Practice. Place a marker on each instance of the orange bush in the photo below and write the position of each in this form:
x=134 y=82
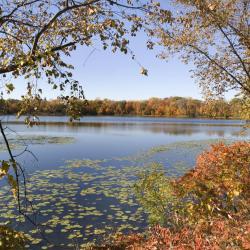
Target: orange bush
x=219 y=185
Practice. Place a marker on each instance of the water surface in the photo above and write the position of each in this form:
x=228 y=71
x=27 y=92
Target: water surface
x=82 y=185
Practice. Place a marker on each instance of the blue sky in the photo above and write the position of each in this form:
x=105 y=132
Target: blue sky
x=116 y=76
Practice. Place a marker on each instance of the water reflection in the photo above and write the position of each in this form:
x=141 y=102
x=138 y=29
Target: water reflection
x=171 y=129
x=91 y=120
x=106 y=140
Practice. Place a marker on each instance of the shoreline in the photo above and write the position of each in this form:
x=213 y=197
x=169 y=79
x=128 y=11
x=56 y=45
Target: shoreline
x=135 y=116
x=107 y=121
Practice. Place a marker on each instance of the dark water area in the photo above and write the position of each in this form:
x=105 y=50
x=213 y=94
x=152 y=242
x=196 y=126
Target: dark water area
x=81 y=181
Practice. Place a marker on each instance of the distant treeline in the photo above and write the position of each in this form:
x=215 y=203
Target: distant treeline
x=169 y=107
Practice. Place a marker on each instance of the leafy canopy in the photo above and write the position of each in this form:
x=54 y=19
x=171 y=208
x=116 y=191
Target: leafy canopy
x=37 y=35
x=212 y=34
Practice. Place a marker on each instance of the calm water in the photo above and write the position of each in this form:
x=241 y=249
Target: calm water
x=97 y=167
x=107 y=137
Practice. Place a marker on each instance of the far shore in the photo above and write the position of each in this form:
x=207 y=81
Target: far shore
x=140 y=116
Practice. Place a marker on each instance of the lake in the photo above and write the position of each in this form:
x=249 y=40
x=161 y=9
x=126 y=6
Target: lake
x=81 y=176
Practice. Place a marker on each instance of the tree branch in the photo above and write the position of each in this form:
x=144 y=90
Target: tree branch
x=220 y=66
x=13 y=161
x=54 y=18
x=234 y=50
x=5 y=18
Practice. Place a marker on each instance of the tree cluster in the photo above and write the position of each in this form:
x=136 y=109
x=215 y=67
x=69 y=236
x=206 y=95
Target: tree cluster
x=169 y=107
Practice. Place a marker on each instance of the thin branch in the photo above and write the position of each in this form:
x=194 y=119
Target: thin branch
x=126 y=6
x=5 y=18
x=19 y=22
x=13 y=163
x=234 y=50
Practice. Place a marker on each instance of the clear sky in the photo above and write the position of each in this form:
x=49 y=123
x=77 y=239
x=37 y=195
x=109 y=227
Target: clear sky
x=117 y=76
x=104 y=74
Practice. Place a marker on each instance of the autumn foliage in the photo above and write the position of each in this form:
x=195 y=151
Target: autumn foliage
x=220 y=183
x=169 y=107
x=213 y=209
x=10 y=239
x=216 y=235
